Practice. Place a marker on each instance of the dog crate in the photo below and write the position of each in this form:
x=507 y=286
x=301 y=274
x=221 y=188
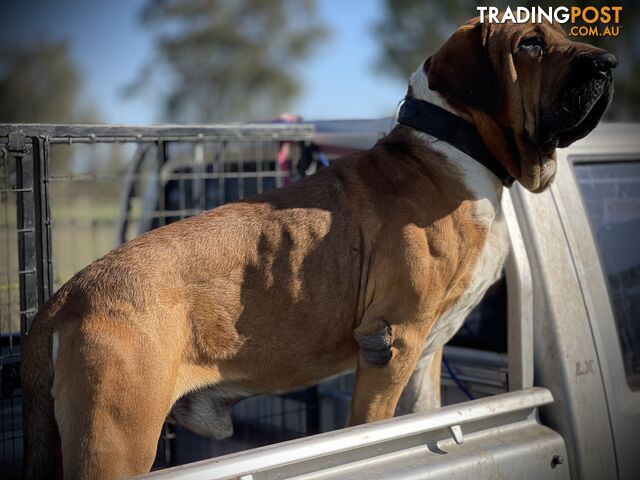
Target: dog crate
x=69 y=194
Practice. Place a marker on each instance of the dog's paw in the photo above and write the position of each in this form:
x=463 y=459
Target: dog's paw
x=375 y=346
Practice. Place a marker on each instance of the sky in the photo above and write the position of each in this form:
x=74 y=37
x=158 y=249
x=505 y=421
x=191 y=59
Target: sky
x=109 y=45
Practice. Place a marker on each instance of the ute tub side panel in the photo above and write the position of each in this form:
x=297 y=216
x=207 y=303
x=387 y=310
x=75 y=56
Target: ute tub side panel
x=522 y=451
x=493 y=437
x=566 y=360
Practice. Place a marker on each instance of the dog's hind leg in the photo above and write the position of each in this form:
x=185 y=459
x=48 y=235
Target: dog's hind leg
x=112 y=390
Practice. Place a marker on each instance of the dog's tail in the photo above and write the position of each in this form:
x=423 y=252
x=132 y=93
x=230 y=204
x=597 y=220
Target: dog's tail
x=40 y=430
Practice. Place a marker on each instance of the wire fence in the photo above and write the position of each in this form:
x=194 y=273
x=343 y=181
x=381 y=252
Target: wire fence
x=10 y=404
x=70 y=194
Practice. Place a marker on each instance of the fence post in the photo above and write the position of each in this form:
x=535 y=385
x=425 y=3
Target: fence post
x=22 y=152
x=43 y=218
x=34 y=231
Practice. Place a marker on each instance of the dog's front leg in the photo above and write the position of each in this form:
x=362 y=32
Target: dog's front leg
x=387 y=357
x=422 y=392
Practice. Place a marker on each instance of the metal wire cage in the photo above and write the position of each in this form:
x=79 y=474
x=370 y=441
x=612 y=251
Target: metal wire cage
x=15 y=190
x=70 y=194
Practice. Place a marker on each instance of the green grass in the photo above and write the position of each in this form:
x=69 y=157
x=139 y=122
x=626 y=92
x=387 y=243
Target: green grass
x=83 y=229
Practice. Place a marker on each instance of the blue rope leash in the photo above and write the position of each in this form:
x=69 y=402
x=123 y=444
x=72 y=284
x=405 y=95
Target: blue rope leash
x=456 y=380
x=322 y=158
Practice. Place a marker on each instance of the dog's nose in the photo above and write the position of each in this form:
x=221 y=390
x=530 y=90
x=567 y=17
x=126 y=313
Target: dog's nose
x=605 y=62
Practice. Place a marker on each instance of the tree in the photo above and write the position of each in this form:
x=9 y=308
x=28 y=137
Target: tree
x=40 y=83
x=411 y=30
x=228 y=59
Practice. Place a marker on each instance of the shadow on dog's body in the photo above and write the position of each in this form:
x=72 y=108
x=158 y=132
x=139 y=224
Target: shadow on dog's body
x=367 y=264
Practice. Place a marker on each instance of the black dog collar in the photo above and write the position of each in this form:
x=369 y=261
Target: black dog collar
x=446 y=126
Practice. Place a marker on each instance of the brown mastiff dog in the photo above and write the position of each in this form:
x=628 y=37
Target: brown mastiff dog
x=365 y=265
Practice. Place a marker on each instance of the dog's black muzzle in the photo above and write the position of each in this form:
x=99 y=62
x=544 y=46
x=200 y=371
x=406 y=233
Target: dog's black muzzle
x=581 y=103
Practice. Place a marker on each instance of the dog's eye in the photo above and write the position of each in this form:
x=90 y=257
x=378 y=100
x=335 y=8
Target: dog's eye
x=533 y=43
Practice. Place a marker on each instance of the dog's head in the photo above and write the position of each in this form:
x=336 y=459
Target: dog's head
x=526 y=87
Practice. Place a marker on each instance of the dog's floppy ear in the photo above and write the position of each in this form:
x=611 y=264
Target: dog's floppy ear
x=462 y=71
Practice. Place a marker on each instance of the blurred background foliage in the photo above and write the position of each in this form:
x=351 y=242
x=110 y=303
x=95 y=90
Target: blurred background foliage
x=241 y=60
x=228 y=60
x=41 y=83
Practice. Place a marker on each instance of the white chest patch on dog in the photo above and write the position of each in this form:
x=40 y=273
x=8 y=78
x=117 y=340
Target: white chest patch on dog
x=487 y=189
